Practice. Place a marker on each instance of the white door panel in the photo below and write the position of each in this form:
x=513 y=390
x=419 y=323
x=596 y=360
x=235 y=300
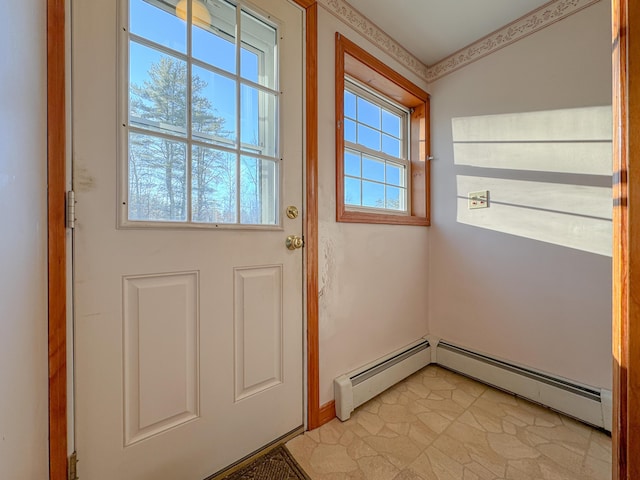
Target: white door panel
x=188 y=340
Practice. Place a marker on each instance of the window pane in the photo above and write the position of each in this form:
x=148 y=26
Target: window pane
x=258 y=127
x=157 y=90
x=372 y=194
x=157 y=179
x=372 y=169
x=158 y=22
x=249 y=63
x=222 y=186
x=214 y=42
x=395 y=198
x=213 y=108
x=350 y=131
x=395 y=174
x=368 y=113
x=213 y=185
x=258 y=191
x=349 y=105
x=260 y=38
x=391 y=146
x=352 y=191
x=390 y=124
x=352 y=164
x=368 y=137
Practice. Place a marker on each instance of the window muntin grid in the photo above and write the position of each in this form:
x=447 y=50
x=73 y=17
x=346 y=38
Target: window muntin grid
x=375 y=152
x=212 y=156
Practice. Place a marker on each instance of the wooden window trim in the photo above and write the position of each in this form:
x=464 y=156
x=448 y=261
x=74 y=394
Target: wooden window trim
x=359 y=64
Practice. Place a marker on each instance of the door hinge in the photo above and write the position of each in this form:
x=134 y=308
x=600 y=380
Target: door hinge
x=73 y=467
x=71 y=210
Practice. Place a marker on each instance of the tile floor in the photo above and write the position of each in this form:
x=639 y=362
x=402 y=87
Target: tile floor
x=443 y=426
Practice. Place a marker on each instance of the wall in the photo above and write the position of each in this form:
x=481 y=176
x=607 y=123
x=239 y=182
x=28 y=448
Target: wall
x=23 y=315
x=373 y=278
x=505 y=282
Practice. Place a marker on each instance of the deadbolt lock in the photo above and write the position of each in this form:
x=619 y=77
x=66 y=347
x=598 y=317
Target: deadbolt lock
x=292 y=212
x=294 y=242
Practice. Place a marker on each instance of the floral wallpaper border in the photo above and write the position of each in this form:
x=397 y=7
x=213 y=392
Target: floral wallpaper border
x=369 y=30
x=534 y=21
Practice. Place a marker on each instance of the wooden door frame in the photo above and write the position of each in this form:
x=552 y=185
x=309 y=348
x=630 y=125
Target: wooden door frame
x=626 y=263
x=626 y=243
x=56 y=236
x=56 y=241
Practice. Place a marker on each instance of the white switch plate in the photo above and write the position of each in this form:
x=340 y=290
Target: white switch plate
x=479 y=199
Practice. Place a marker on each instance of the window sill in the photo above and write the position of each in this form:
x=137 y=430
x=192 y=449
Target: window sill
x=351 y=216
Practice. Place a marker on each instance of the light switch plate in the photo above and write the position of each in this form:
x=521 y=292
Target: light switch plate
x=478 y=199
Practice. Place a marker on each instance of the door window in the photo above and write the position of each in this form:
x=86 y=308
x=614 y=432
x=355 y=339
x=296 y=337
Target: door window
x=200 y=124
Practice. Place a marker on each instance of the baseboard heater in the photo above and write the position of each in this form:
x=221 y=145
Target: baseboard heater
x=361 y=385
x=586 y=403
x=583 y=402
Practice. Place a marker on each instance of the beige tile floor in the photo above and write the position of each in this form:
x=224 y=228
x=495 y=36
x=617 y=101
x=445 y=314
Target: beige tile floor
x=440 y=425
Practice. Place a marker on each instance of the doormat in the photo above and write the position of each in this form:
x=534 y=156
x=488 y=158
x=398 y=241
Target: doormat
x=278 y=464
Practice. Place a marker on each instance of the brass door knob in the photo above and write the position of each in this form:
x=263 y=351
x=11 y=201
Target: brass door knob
x=293 y=242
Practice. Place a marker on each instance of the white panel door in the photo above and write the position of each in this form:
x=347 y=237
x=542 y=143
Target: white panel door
x=188 y=149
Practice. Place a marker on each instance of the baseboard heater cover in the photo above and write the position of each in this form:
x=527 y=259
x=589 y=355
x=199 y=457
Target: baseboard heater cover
x=588 y=404
x=359 y=386
x=591 y=405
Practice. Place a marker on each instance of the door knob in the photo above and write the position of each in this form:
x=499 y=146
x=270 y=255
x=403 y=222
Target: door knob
x=293 y=242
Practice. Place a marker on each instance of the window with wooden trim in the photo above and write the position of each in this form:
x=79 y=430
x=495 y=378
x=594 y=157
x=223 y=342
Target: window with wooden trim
x=382 y=142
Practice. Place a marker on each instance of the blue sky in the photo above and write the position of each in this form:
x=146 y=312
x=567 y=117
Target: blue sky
x=169 y=31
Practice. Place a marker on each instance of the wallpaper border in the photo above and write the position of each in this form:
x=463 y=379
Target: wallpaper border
x=530 y=23
x=356 y=20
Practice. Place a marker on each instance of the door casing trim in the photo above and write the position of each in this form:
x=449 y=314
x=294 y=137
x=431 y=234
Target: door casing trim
x=56 y=238
x=626 y=220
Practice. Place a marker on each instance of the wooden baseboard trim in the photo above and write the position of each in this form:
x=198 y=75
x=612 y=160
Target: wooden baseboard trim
x=327 y=412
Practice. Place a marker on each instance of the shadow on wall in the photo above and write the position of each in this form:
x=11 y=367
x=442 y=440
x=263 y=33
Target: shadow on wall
x=548 y=175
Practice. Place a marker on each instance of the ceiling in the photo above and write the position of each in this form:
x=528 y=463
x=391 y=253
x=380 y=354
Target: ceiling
x=434 y=29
